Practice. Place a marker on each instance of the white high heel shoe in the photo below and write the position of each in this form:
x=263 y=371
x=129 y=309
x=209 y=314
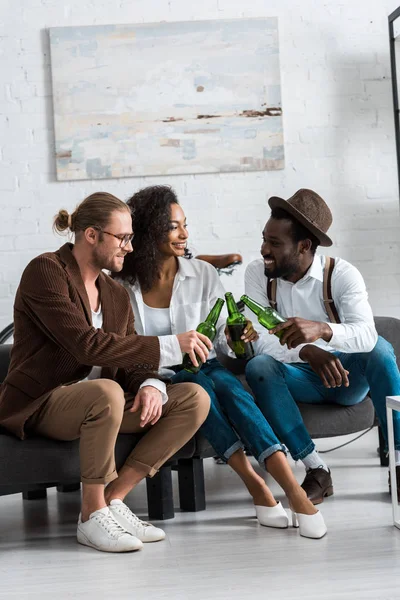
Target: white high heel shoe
x=272 y=516
x=310 y=526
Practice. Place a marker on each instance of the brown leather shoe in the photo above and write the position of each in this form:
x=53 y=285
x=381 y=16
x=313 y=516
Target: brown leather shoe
x=317 y=485
x=398 y=483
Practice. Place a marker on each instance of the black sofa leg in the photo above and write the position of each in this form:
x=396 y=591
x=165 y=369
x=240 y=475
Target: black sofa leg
x=160 y=500
x=69 y=487
x=192 y=495
x=35 y=494
x=384 y=458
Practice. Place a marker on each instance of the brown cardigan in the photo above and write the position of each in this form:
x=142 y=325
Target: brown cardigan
x=55 y=343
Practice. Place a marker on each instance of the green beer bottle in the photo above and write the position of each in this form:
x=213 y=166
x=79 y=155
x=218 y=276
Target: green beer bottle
x=236 y=325
x=206 y=328
x=267 y=316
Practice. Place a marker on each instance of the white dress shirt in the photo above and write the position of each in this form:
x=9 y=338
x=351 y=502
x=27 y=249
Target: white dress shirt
x=355 y=333
x=195 y=290
x=95 y=373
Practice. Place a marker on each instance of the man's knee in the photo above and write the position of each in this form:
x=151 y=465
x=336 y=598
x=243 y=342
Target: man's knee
x=262 y=367
x=199 y=400
x=108 y=396
x=193 y=397
x=382 y=352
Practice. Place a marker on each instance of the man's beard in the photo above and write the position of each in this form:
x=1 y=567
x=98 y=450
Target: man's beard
x=106 y=262
x=287 y=268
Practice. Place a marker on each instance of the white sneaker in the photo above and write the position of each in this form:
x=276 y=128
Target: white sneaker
x=145 y=532
x=102 y=532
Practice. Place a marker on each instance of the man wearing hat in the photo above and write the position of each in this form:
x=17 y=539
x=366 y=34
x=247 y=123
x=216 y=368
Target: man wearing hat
x=328 y=350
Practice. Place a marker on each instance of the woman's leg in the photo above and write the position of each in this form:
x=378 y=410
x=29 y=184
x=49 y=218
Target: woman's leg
x=216 y=428
x=225 y=441
x=244 y=414
x=258 y=489
x=280 y=470
x=255 y=430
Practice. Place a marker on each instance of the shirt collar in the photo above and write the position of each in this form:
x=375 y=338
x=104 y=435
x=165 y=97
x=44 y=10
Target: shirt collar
x=315 y=271
x=186 y=268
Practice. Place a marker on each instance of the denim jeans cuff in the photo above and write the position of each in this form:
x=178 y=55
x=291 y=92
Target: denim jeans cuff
x=300 y=455
x=268 y=452
x=232 y=450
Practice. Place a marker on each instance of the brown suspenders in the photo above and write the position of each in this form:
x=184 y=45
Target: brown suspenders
x=327 y=291
x=271 y=293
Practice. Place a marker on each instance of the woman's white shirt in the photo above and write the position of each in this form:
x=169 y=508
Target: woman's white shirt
x=195 y=290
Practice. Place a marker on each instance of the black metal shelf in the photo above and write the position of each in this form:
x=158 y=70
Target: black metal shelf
x=392 y=41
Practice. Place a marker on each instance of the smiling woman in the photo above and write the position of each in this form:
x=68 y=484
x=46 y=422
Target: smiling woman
x=151 y=221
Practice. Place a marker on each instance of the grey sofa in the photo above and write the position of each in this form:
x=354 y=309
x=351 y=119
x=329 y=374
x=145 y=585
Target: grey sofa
x=33 y=465
x=37 y=463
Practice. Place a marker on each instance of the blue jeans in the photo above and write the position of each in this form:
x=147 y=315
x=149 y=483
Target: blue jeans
x=234 y=420
x=278 y=386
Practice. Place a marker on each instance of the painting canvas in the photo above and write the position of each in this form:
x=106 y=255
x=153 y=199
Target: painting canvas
x=167 y=98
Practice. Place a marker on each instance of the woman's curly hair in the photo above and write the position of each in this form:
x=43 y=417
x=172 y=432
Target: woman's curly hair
x=151 y=215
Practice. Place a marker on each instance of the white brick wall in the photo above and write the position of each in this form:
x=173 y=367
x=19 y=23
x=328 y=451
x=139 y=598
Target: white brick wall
x=339 y=135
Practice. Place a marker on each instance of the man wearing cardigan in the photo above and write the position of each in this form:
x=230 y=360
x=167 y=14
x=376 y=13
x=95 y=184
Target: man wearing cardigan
x=79 y=370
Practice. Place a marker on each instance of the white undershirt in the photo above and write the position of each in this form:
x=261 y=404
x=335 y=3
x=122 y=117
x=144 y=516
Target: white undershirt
x=97 y=320
x=158 y=320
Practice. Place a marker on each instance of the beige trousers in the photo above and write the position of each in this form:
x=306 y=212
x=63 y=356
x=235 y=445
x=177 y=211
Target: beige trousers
x=96 y=411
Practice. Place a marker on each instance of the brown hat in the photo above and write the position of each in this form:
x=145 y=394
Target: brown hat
x=310 y=210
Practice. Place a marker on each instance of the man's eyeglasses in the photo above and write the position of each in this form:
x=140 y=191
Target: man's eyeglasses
x=123 y=239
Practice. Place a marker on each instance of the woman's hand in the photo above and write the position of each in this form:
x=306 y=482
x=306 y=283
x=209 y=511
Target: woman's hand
x=193 y=342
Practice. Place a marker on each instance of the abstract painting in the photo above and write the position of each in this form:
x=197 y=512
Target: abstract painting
x=167 y=98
